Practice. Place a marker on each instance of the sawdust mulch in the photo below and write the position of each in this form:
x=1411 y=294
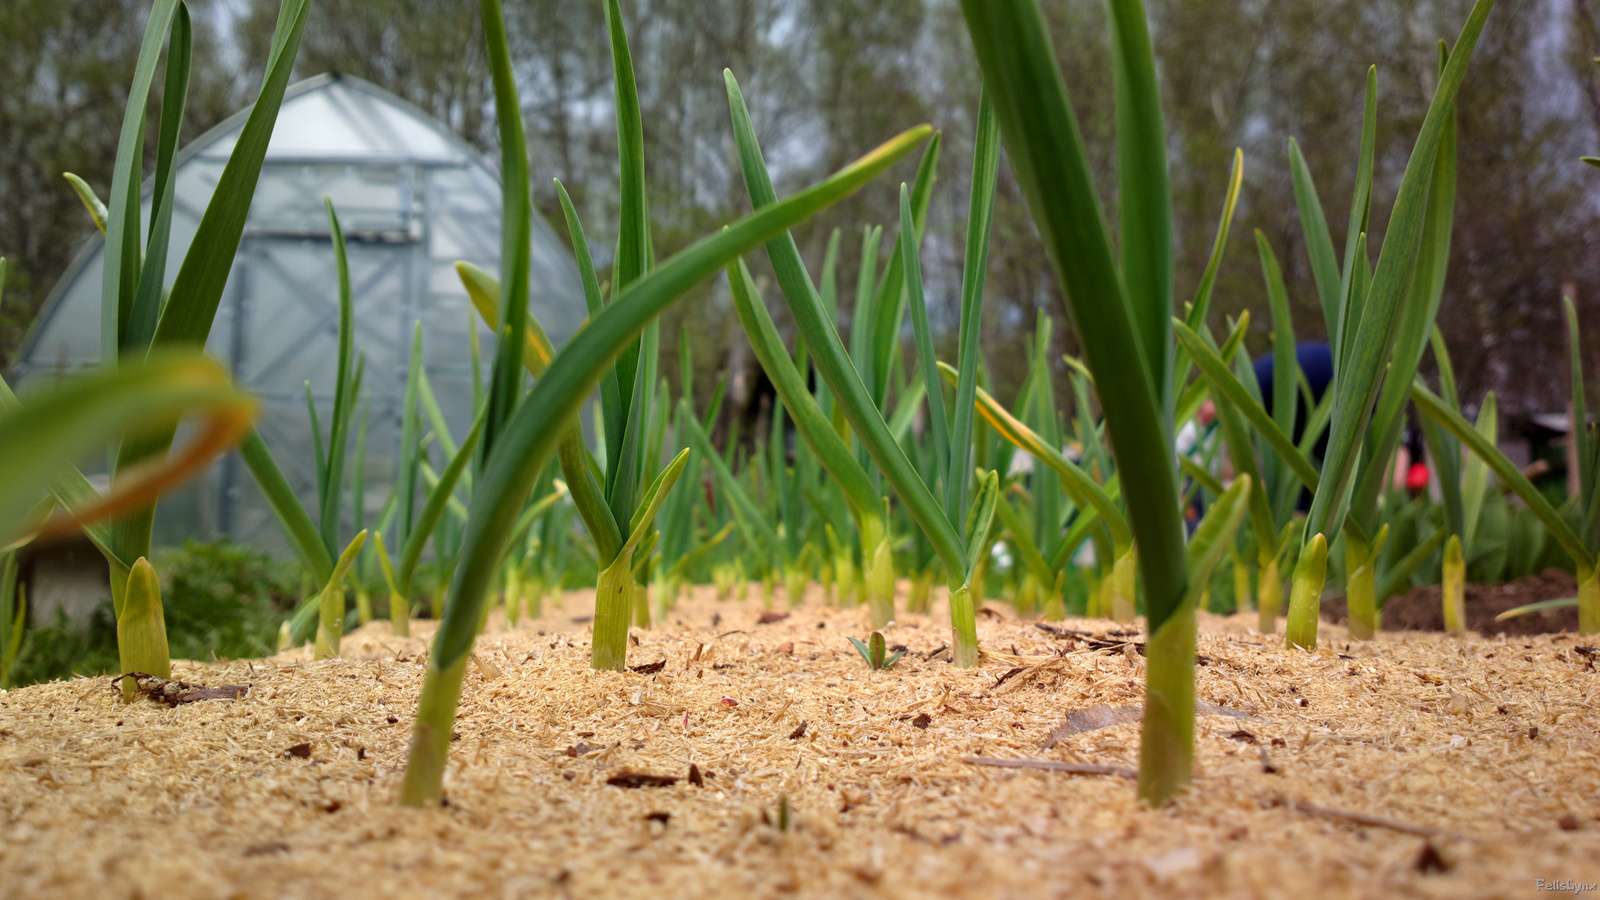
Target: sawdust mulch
x=1414 y=765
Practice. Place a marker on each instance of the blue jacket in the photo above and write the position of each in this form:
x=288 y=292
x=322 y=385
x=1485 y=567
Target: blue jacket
x=1316 y=361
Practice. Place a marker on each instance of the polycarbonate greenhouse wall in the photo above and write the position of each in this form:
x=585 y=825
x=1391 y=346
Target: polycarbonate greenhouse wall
x=412 y=200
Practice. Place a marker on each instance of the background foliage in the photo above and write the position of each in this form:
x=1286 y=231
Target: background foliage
x=832 y=76
x=221 y=600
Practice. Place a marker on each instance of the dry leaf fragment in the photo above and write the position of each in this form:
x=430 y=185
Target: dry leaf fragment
x=176 y=693
x=641 y=780
x=1430 y=861
x=1010 y=674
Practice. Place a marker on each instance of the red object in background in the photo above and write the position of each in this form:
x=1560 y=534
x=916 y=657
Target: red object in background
x=1417 y=478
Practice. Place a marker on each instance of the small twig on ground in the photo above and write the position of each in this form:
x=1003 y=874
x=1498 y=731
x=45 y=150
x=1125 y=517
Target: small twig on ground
x=1094 y=642
x=1324 y=812
x=1053 y=765
x=1310 y=809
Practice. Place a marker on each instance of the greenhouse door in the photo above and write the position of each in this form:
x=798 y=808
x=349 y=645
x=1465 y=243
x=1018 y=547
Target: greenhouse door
x=286 y=340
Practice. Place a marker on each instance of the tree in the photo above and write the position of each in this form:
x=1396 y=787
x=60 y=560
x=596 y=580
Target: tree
x=829 y=78
x=65 y=66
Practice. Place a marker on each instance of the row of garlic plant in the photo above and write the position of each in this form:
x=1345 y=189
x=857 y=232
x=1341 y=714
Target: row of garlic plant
x=525 y=428
x=1128 y=501
x=1379 y=320
x=315 y=534
x=1030 y=108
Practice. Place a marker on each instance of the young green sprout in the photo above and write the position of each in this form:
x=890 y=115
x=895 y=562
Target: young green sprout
x=620 y=518
x=1310 y=574
x=1121 y=309
x=1464 y=488
x=330 y=602
x=141 y=628
x=1383 y=320
x=616 y=592
x=1379 y=321
x=874 y=650
x=399 y=603
x=1452 y=588
x=40 y=436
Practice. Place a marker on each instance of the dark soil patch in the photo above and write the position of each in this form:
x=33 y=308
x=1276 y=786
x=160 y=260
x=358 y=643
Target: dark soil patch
x=1419 y=609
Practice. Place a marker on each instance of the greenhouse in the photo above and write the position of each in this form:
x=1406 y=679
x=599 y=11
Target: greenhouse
x=413 y=199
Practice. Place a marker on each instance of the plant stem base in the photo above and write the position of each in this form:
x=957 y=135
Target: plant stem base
x=613 y=610
x=1589 y=602
x=1310 y=576
x=963 y=620
x=1166 y=747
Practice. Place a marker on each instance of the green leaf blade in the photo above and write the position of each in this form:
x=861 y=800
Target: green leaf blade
x=123 y=259
x=1145 y=194
x=1375 y=336
x=974 y=271
x=1047 y=155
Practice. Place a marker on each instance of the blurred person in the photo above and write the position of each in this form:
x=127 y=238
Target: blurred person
x=1315 y=359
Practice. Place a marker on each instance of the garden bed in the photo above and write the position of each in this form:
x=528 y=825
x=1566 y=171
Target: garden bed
x=1420 y=608
x=1414 y=765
